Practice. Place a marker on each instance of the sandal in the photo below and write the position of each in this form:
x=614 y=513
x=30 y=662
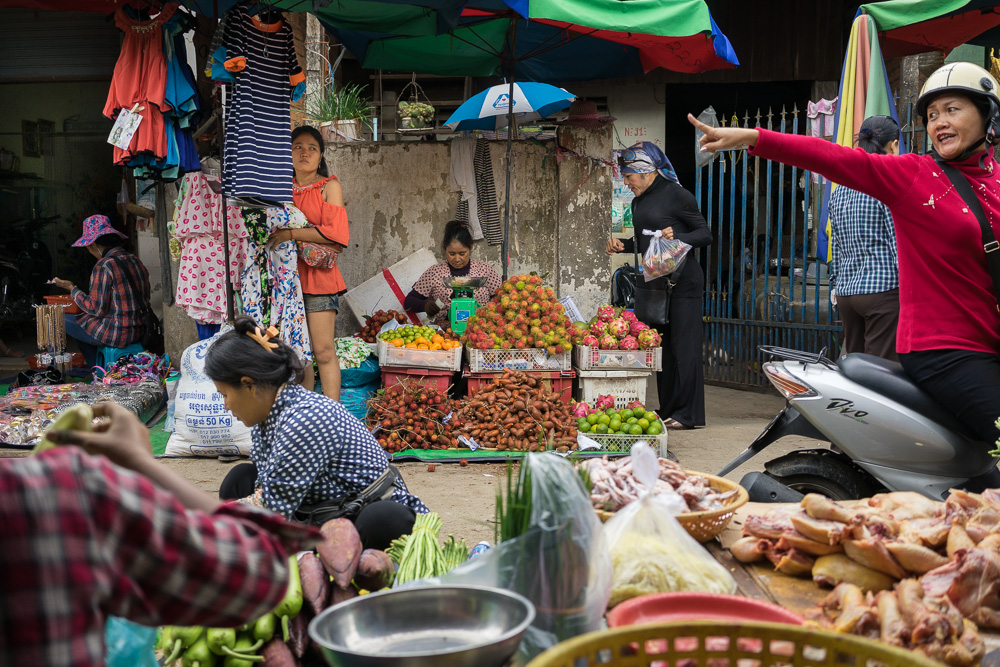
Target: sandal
x=675 y=425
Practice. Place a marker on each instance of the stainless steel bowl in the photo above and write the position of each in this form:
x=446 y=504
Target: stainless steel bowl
x=425 y=626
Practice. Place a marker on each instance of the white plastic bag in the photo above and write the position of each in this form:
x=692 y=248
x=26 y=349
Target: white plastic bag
x=663 y=256
x=202 y=425
x=560 y=563
x=650 y=551
x=701 y=158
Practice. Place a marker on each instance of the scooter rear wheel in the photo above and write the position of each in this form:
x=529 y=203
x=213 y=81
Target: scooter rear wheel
x=822 y=471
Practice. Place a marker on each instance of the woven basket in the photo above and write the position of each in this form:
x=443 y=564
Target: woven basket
x=707 y=525
x=708 y=642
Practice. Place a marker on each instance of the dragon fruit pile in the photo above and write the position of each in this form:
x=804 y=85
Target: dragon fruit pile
x=615 y=329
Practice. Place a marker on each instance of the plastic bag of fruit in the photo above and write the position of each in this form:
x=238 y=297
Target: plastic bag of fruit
x=663 y=256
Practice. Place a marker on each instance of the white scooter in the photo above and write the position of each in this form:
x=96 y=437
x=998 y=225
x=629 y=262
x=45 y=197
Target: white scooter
x=886 y=434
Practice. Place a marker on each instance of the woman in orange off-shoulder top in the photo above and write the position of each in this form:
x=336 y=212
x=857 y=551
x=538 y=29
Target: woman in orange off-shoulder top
x=318 y=194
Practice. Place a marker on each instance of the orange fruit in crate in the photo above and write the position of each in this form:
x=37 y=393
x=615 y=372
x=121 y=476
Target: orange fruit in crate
x=423 y=346
x=420 y=340
x=435 y=345
x=437 y=338
x=397 y=342
x=410 y=346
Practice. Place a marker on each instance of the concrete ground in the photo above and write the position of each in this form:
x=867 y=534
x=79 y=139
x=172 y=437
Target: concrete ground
x=465 y=497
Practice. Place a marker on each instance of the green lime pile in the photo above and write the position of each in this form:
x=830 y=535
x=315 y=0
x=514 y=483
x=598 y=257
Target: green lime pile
x=409 y=333
x=629 y=421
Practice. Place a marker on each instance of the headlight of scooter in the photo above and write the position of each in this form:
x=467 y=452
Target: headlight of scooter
x=789 y=385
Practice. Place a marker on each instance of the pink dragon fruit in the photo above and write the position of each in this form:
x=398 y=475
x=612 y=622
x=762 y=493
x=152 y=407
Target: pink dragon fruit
x=648 y=339
x=638 y=327
x=605 y=313
x=604 y=402
x=618 y=327
x=628 y=343
x=590 y=340
x=629 y=316
x=599 y=328
x=635 y=404
x=608 y=342
x=580 y=410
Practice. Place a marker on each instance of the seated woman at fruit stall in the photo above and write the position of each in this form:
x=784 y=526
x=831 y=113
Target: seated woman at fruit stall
x=307 y=450
x=430 y=295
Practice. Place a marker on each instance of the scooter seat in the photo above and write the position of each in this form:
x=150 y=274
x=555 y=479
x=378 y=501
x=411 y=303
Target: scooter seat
x=889 y=379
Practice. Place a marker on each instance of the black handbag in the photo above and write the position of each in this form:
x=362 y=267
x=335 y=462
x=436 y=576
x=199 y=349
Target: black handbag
x=990 y=245
x=651 y=306
x=349 y=506
x=152 y=328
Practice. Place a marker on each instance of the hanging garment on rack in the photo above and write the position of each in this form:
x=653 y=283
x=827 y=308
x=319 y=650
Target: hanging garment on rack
x=270 y=289
x=462 y=179
x=197 y=229
x=486 y=195
x=258 y=143
x=181 y=96
x=140 y=79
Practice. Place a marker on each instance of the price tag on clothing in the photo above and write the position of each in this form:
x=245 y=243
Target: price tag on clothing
x=125 y=126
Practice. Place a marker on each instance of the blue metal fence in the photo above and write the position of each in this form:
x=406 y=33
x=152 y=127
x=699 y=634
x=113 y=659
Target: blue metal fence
x=764 y=285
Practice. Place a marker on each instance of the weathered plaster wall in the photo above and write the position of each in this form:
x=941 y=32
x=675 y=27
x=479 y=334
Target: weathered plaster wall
x=398 y=201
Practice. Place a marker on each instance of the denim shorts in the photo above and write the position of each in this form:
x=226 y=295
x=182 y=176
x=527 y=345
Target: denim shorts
x=317 y=303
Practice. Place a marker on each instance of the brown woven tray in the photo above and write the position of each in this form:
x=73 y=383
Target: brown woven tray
x=707 y=525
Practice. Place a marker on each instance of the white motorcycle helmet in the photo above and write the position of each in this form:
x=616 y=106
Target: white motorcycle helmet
x=970 y=80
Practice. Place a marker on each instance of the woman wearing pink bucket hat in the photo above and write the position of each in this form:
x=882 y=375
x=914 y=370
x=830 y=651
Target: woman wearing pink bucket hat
x=112 y=309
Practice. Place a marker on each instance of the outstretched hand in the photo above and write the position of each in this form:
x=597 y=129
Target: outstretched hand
x=723 y=138
x=121 y=437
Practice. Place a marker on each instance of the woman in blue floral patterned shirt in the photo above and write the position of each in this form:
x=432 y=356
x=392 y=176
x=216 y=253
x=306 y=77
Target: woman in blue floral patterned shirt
x=307 y=448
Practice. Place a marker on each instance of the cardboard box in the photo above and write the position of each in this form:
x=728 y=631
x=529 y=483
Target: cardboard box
x=387 y=289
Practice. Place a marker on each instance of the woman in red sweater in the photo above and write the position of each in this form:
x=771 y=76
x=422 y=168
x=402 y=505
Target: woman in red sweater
x=948 y=338
x=319 y=195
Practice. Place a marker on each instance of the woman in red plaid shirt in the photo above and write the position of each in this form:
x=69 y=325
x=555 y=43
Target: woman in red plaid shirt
x=112 y=316
x=113 y=532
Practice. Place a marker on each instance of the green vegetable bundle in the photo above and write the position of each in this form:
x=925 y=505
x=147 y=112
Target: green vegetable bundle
x=423 y=556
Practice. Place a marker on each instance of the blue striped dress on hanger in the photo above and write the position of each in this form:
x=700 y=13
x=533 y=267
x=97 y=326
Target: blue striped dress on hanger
x=258 y=144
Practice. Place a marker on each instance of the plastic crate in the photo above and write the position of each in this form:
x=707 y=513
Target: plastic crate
x=620 y=443
x=389 y=355
x=425 y=377
x=558 y=382
x=531 y=359
x=625 y=386
x=588 y=358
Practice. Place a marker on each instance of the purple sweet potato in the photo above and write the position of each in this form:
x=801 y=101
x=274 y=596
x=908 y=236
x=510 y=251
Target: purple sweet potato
x=340 y=550
x=375 y=571
x=315 y=581
x=277 y=654
x=340 y=594
x=298 y=635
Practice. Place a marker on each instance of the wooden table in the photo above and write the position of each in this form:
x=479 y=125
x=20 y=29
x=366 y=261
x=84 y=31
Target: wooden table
x=797 y=594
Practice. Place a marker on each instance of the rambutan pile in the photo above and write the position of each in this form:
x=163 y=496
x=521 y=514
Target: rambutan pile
x=523 y=314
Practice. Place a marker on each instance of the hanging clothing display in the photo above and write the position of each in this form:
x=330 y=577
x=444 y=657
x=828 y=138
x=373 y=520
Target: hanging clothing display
x=181 y=96
x=140 y=79
x=258 y=144
x=487 y=214
x=270 y=289
x=197 y=230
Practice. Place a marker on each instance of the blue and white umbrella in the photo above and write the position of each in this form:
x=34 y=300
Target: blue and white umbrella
x=489 y=109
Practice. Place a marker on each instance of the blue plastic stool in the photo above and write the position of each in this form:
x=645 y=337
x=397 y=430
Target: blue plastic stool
x=107 y=356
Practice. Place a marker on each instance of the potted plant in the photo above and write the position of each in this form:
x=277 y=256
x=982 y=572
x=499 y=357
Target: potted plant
x=414 y=114
x=341 y=112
